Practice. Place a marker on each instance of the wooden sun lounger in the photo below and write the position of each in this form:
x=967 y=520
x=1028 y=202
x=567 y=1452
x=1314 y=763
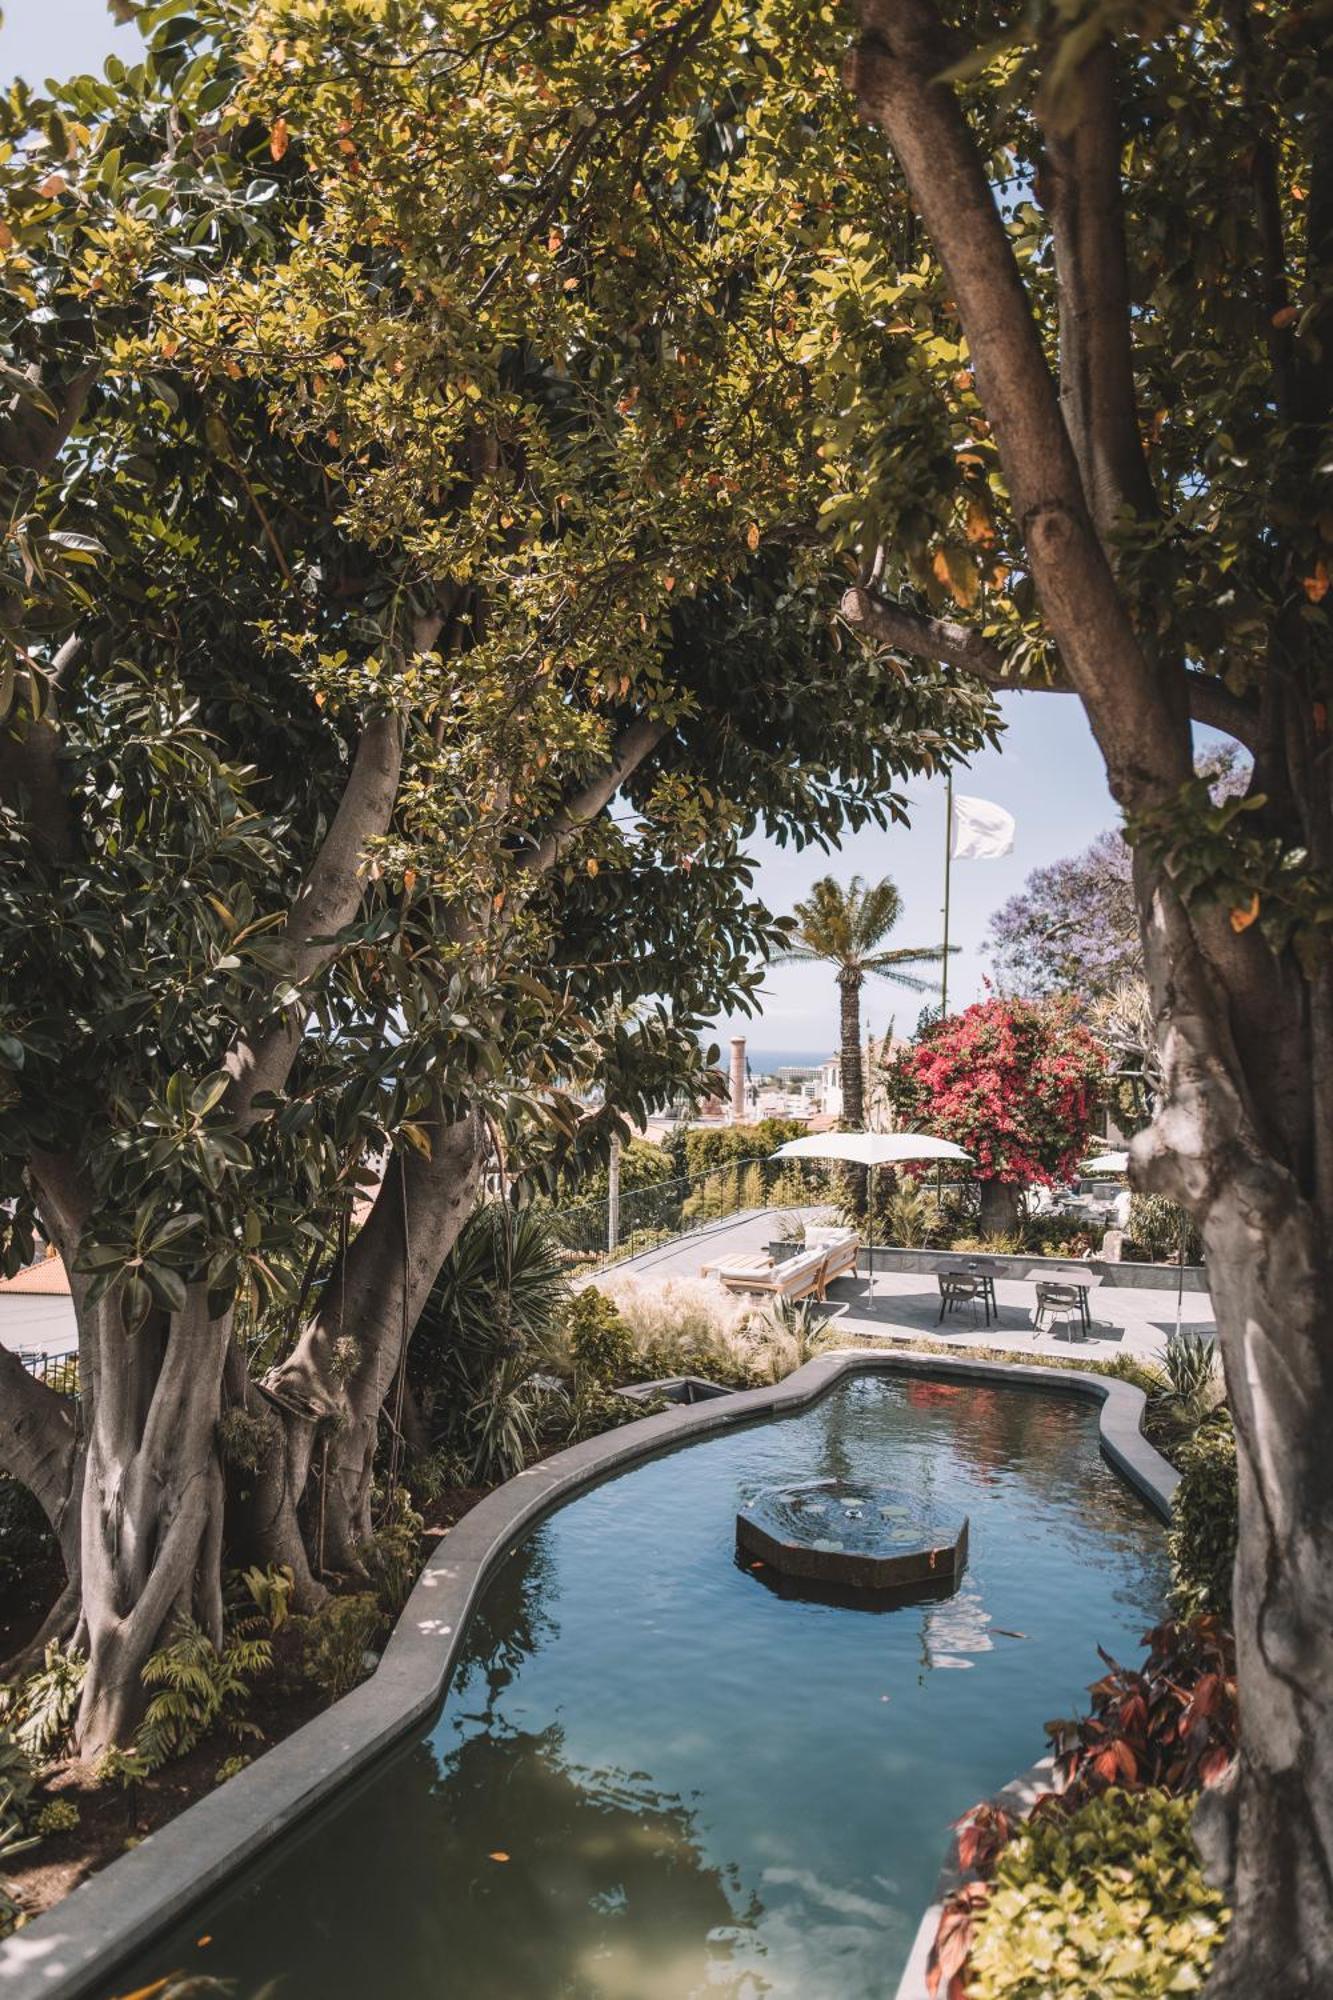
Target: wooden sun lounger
x=840 y=1259
x=812 y=1271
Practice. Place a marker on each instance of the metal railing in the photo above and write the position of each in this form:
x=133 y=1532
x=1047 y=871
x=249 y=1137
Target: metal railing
x=647 y=1217
x=59 y=1371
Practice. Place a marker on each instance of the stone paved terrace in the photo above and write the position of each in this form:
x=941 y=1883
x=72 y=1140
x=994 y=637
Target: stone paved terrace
x=1125 y=1321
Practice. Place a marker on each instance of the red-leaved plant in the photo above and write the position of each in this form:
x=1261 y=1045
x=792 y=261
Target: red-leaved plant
x=1171 y=1723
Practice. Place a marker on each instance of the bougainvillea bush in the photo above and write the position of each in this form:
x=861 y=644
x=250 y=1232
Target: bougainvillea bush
x=1015 y=1082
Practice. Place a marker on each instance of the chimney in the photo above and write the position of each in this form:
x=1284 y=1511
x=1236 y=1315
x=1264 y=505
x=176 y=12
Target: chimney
x=738 y=1079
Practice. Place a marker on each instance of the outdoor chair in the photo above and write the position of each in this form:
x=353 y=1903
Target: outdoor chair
x=842 y=1247
x=795 y=1278
x=957 y=1291
x=1069 y=1302
x=986 y=1280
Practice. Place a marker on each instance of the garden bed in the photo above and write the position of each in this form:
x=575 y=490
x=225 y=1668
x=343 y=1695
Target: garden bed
x=113 y=1818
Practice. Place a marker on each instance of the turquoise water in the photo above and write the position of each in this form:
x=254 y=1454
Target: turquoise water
x=702 y=1788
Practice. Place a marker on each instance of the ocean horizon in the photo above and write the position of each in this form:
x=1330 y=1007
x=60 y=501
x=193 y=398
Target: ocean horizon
x=767 y=1062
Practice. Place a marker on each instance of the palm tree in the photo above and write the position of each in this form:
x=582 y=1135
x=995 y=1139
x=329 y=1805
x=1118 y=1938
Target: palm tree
x=847 y=928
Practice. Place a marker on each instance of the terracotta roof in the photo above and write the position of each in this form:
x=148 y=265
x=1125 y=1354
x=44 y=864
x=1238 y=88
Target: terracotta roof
x=49 y=1279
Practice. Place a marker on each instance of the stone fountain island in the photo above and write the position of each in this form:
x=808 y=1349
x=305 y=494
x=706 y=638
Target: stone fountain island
x=854 y=1535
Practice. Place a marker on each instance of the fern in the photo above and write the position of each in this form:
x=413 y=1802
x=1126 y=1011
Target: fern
x=200 y=1689
x=271 y=1590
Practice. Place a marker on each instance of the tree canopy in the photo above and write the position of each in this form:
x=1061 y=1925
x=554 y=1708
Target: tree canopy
x=423 y=609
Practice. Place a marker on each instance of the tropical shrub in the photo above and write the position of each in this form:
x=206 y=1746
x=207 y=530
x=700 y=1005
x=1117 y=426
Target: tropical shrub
x=598 y=1343
x=1204 y=1522
x=1186 y=1390
x=1105 y=1903
x=12 y=1843
x=910 y=1214
x=1171 y=1723
x=270 y=1591
x=58 y=1816
x=392 y=1556
x=1156 y=1228
x=17 y=1773
x=338 y=1637
x=41 y=1709
x=1015 y=1082
x=487 y=1329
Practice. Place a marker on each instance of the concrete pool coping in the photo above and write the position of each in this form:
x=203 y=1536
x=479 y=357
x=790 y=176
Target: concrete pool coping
x=75 y=1948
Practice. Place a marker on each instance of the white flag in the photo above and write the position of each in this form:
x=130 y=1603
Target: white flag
x=982 y=831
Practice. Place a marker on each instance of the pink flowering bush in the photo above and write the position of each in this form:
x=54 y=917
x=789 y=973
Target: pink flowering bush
x=1016 y=1082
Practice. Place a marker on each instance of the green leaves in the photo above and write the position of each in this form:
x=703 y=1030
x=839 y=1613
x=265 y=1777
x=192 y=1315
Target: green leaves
x=1108 y=1903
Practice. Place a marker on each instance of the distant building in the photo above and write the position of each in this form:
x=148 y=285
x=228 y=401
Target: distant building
x=36 y=1310
x=876 y=1051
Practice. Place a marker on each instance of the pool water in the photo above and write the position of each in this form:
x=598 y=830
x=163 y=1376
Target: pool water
x=653 y=1777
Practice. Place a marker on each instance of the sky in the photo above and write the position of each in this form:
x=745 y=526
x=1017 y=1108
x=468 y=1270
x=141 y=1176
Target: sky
x=1047 y=771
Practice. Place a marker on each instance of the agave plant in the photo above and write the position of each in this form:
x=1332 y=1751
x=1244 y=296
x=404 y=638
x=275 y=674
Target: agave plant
x=1185 y=1387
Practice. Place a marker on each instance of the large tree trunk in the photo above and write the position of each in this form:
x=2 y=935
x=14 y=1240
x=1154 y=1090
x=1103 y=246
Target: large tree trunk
x=1244 y=1133
x=1275 y=1856
x=151 y=1545
x=1268 y=1837
x=334 y=1384
x=1001 y=1209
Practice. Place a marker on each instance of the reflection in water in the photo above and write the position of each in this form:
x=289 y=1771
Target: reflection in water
x=703 y=1788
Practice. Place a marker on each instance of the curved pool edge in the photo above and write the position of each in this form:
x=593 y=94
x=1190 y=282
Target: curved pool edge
x=75 y=1948
x=1017 y=1797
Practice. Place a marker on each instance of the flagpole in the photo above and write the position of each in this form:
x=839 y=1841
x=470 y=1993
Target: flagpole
x=948 y=857
x=944 y=962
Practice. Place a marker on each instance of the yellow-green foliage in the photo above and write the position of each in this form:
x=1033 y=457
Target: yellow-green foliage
x=198 y=1688
x=16 y=1773
x=11 y=1843
x=1107 y=1904
x=338 y=1636
x=392 y=1556
x=59 y=1816
x=601 y=1348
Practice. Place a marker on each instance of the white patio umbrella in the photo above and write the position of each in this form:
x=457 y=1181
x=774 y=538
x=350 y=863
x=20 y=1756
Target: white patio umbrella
x=871 y=1149
x=1106 y=1163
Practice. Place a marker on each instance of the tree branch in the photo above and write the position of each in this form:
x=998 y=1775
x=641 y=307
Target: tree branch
x=925 y=638
x=31 y=436
x=31 y=783
x=637 y=742
x=38 y=1441
x=329 y=900
x=894 y=73
x=1092 y=283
